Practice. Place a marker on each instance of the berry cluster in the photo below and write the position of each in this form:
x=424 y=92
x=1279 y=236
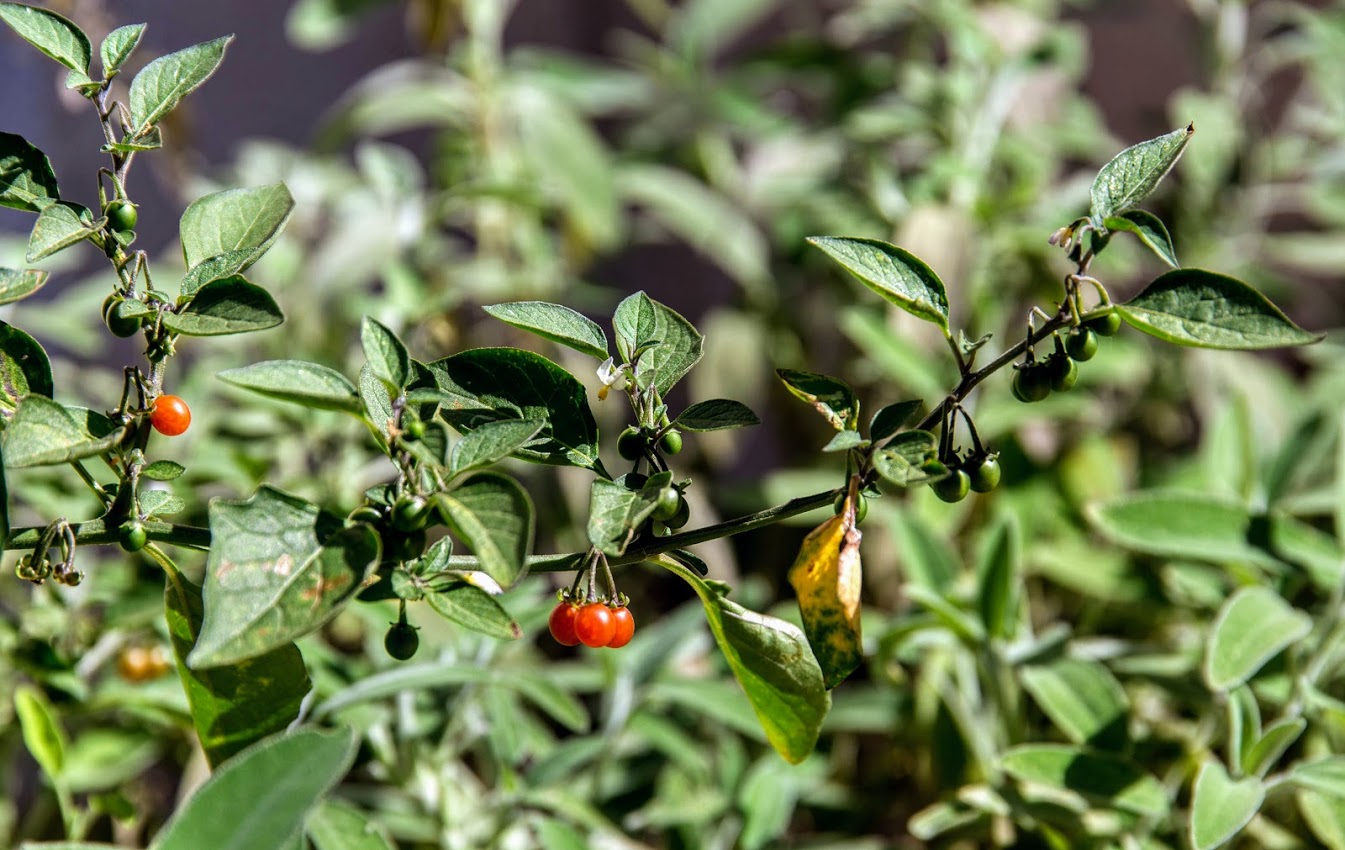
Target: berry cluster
x=1035 y=379
x=977 y=473
x=607 y=623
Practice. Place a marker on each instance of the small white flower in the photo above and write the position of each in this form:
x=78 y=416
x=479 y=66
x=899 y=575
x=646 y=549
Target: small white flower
x=611 y=375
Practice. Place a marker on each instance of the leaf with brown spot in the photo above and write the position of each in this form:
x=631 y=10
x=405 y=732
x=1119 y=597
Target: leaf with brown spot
x=826 y=577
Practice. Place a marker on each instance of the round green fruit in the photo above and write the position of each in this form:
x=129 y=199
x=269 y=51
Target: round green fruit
x=954 y=488
x=1081 y=344
x=630 y=445
x=682 y=516
x=120 y=325
x=132 y=536
x=669 y=501
x=410 y=513
x=670 y=443
x=861 y=506
x=1107 y=325
x=122 y=215
x=984 y=476
x=401 y=641
x=1062 y=371
x=1031 y=382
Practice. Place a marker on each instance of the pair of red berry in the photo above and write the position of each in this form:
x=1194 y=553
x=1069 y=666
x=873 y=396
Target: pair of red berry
x=594 y=624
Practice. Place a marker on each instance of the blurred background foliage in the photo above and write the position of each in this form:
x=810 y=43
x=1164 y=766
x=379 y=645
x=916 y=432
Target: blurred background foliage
x=576 y=152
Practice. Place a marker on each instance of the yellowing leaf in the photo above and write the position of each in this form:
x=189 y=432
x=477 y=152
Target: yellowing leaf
x=826 y=577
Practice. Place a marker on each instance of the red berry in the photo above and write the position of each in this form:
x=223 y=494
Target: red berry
x=594 y=625
x=561 y=623
x=169 y=415
x=625 y=627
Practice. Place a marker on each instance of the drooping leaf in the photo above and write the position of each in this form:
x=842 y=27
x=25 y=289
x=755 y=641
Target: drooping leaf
x=44 y=433
x=17 y=284
x=890 y=419
x=228 y=306
x=1149 y=229
x=471 y=607
x=42 y=734
x=335 y=825
x=223 y=266
x=50 y=33
x=1134 y=172
x=386 y=354
x=1082 y=698
x=492 y=384
x=716 y=414
x=666 y=344
x=1253 y=626
x=556 y=323
x=24 y=369
x=151 y=141
x=616 y=513
x=902 y=461
x=827 y=577
x=493 y=441
x=26 y=179
x=1208 y=310
x=161 y=85
x=119 y=45
x=894 y=273
x=278 y=568
x=1220 y=806
x=234 y=220
x=493 y=515
x=831 y=397
x=297 y=381
x=844 y=441
x=772 y=662
x=234 y=706
x=271 y=786
x=58 y=226
x=1102 y=777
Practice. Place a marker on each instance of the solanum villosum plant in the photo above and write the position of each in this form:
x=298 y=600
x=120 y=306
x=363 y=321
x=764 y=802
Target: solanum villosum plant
x=279 y=567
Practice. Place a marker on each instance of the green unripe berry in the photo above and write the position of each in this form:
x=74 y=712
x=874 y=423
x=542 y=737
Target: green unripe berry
x=364 y=513
x=401 y=641
x=682 y=516
x=1107 y=325
x=1063 y=372
x=953 y=488
x=132 y=536
x=1081 y=344
x=630 y=445
x=122 y=215
x=119 y=324
x=414 y=430
x=1031 y=382
x=984 y=476
x=410 y=513
x=669 y=500
x=861 y=506
x=398 y=547
x=670 y=443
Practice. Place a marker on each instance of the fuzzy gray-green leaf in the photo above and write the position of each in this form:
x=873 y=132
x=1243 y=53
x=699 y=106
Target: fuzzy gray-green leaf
x=1134 y=172
x=1208 y=310
x=894 y=273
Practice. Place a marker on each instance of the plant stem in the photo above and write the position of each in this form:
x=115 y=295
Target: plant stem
x=96 y=531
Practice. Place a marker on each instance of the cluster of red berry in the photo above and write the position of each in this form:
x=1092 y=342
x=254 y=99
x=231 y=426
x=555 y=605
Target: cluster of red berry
x=594 y=624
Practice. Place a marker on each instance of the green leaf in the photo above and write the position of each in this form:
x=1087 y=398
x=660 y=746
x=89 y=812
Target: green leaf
x=118 y=47
x=892 y=418
x=772 y=662
x=228 y=306
x=17 y=284
x=386 y=355
x=1221 y=807
x=1178 y=525
x=26 y=179
x=556 y=323
x=998 y=579
x=278 y=568
x=44 y=433
x=1082 y=698
x=1325 y=816
x=1150 y=230
x=163 y=470
x=223 y=266
x=471 y=607
x=894 y=273
x=42 y=734
x=1261 y=756
x=1102 y=777
x=1253 y=626
x=616 y=513
x=234 y=706
x=268 y=788
x=666 y=345
x=716 y=414
x=844 y=441
x=68 y=845
x=299 y=382
x=1208 y=310
x=493 y=515
x=831 y=397
x=827 y=576
x=58 y=226
x=493 y=384
x=1244 y=723
x=24 y=369
x=162 y=84
x=901 y=462
x=335 y=825
x=235 y=220
x=151 y=141
x=492 y=442
x=50 y=33
x=1134 y=172
x=1325 y=775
